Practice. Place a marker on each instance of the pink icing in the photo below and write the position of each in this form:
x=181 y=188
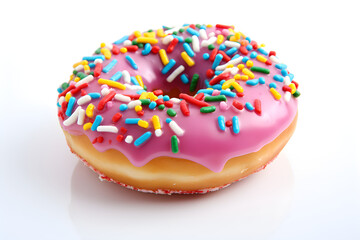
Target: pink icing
x=203 y=142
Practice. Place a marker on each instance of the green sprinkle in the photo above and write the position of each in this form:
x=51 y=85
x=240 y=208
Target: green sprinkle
x=150 y=30
x=232 y=88
x=91 y=73
x=296 y=94
x=145 y=101
x=81 y=75
x=161 y=107
x=194 y=82
x=260 y=69
x=211 y=47
x=175 y=33
x=174 y=144
x=208 y=109
x=75 y=72
x=64 y=86
x=166 y=28
x=188 y=40
x=134 y=42
x=228 y=37
x=181 y=30
x=140 y=45
x=145 y=88
x=217 y=98
x=198 y=25
x=171 y=112
x=98 y=51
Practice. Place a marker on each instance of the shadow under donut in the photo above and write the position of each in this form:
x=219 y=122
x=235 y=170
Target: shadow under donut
x=251 y=208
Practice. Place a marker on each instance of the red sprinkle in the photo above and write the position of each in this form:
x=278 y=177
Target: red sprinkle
x=172 y=45
x=69 y=88
x=238 y=105
x=155 y=49
x=192 y=26
x=97 y=70
x=192 y=100
x=286 y=88
x=158 y=92
x=184 y=108
x=243 y=50
x=268 y=62
x=94 y=141
x=64 y=106
x=159 y=101
x=115 y=50
x=213 y=54
x=199 y=96
x=100 y=139
x=116 y=117
x=218 y=78
x=61 y=114
x=120 y=137
x=272 y=53
x=78 y=88
x=133 y=96
x=132 y=48
x=226 y=58
x=83 y=92
x=106 y=99
x=132 y=37
x=228 y=123
x=257 y=105
x=123 y=130
x=140 y=113
x=210 y=73
x=223 y=26
x=254 y=45
x=240 y=94
x=296 y=84
x=169 y=104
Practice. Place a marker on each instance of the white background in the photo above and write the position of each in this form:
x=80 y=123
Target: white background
x=312 y=191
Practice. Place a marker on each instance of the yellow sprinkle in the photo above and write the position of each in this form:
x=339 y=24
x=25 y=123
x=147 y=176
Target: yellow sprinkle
x=230 y=66
x=249 y=63
x=244 y=77
x=241 y=66
x=248 y=72
x=106 y=53
x=90 y=110
x=156 y=122
x=143 y=123
x=237 y=87
x=140 y=81
x=220 y=39
x=68 y=96
x=137 y=34
x=237 y=35
x=112 y=83
x=237 y=77
x=83 y=62
x=160 y=33
x=293 y=88
x=147 y=40
x=189 y=61
x=71 y=77
x=149 y=34
x=262 y=45
x=209 y=26
x=138 y=108
x=152 y=96
x=102 y=45
x=233 y=39
x=86 y=68
x=123 y=50
x=144 y=95
x=275 y=93
x=227 y=83
x=77 y=79
x=163 y=57
x=87 y=126
x=231 y=30
x=261 y=58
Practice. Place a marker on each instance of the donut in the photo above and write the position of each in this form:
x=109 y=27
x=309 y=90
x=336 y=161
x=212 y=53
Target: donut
x=189 y=109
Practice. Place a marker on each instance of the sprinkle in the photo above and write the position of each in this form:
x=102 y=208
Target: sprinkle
x=83 y=100
x=175 y=73
x=231 y=51
x=278 y=78
x=132 y=62
x=116 y=76
x=237 y=87
x=175 y=127
x=122 y=98
x=90 y=110
x=221 y=123
x=252 y=82
x=129 y=139
x=220 y=39
x=86 y=79
x=147 y=49
x=112 y=83
x=168 y=66
x=110 y=66
x=73 y=117
x=203 y=34
x=142 y=139
x=193 y=32
x=93 y=58
x=249 y=107
x=195 y=43
x=147 y=40
x=257 y=104
x=121 y=40
x=261 y=80
x=174 y=144
x=152 y=105
x=238 y=105
x=111 y=129
x=106 y=99
x=206 y=56
x=275 y=93
x=96 y=123
x=87 y=126
x=70 y=106
x=208 y=109
x=139 y=80
x=167 y=39
x=227 y=93
x=189 y=61
x=261 y=58
x=184 y=108
x=223 y=106
x=272 y=85
x=260 y=69
x=217 y=61
x=218 y=98
x=126 y=75
x=235 y=125
x=172 y=45
x=296 y=94
x=231 y=44
x=194 y=82
x=143 y=123
x=116 y=117
x=248 y=72
x=188 y=50
x=133 y=104
x=218 y=78
x=132 y=120
x=287 y=96
x=157 y=125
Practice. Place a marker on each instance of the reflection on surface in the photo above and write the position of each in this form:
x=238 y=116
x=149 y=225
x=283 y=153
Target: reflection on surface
x=249 y=209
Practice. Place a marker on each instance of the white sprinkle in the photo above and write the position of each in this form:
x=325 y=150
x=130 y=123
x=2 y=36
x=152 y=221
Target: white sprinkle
x=127 y=43
x=133 y=87
x=79 y=67
x=287 y=96
x=203 y=34
x=129 y=139
x=81 y=117
x=212 y=34
x=167 y=39
x=287 y=80
x=233 y=62
x=133 y=104
x=234 y=70
x=84 y=99
x=158 y=132
x=73 y=118
x=105 y=91
x=126 y=76
x=86 y=79
x=275 y=59
x=212 y=40
x=195 y=43
x=122 y=98
x=171 y=30
x=108 y=128
x=175 y=100
x=98 y=60
x=61 y=100
x=175 y=127
x=232 y=44
x=175 y=73
x=109 y=46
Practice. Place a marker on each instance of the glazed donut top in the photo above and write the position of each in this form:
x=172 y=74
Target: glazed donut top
x=199 y=92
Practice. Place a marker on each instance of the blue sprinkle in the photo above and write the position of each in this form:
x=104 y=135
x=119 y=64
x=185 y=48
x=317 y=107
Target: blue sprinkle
x=245 y=59
x=278 y=78
x=252 y=82
x=134 y=81
x=262 y=51
x=92 y=65
x=132 y=62
x=217 y=87
x=168 y=120
x=284 y=72
x=222 y=82
x=58 y=104
x=206 y=56
x=160 y=96
x=249 y=39
x=231 y=51
x=261 y=80
x=281 y=66
x=168 y=66
x=147 y=49
x=142 y=139
x=166 y=98
x=94 y=95
x=184 y=79
x=249 y=107
x=184 y=25
x=222 y=47
x=193 y=32
x=218 y=72
x=181 y=39
x=188 y=50
x=123 y=107
x=93 y=58
x=207 y=84
x=121 y=40
x=221 y=123
x=70 y=106
x=132 y=120
x=272 y=85
x=249 y=47
x=235 y=125
x=291 y=76
x=59 y=90
x=217 y=61
x=96 y=123
x=116 y=76
x=253 y=54
x=235 y=56
x=152 y=105
x=205 y=91
x=203 y=27
x=227 y=93
x=140 y=91
x=109 y=66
